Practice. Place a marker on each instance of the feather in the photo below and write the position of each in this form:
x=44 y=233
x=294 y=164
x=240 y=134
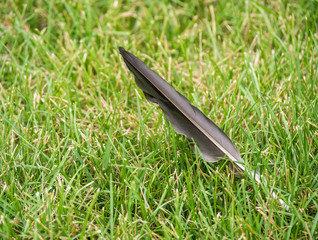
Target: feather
x=186 y=119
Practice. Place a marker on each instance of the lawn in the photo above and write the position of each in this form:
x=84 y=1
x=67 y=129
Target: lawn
x=84 y=155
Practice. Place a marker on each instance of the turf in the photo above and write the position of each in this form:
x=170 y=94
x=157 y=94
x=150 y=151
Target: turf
x=84 y=155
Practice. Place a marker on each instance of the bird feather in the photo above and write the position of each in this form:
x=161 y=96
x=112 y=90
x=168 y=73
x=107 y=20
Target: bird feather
x=186 y=119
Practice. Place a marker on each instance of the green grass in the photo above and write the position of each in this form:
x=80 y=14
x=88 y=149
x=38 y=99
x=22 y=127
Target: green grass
x=83 y=154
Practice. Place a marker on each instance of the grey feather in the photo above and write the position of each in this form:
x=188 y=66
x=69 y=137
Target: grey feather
x=186 y=119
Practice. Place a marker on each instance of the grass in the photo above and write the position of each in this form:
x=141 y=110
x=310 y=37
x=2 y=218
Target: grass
x=84 y=155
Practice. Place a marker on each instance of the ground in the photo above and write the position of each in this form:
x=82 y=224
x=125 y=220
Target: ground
x=84 y=155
